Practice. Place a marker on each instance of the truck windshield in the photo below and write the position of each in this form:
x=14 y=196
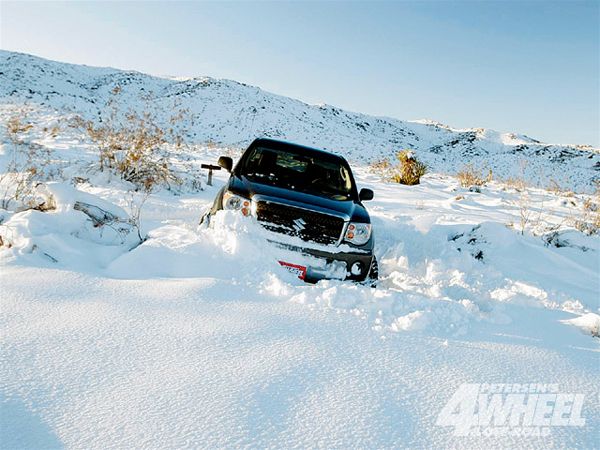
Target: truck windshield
x=314 y=174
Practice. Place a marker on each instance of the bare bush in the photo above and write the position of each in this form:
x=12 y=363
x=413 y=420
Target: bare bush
x=529 y=218
x=587 y=219
x=525 y=211
x=135 y=205
x=130 y=144
x=409 y=169
x=381 y=166
x=16 y=127
x=469 y=176
x=536 y=216
x=516 y=183
x=25 y=167
x=555 y=187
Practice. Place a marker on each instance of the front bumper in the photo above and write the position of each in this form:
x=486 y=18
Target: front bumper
x=325 y=264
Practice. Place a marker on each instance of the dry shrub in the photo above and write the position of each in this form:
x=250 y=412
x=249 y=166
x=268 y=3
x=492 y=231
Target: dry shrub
x=25 y=168
x=54 y=131
x=137 y=160
x=532 y=217
x=516 y=183
x=380 y=165
x=382 y=168
x=469 y=176
x=210 y=144
x=130 y=144
x=15 y=127
x=554 y=187
x=525 y=211
x=409 y=169
x=587 y=219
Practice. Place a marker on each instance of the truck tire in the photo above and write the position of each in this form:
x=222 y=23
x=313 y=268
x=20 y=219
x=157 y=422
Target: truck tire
x=373 y=275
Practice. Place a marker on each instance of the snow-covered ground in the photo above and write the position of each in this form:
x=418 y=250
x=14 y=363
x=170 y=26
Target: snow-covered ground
x=198 y=338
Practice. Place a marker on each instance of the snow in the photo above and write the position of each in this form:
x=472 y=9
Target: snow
x=589 y=323
x=66 y=196
x=197 y=337
x=100 y=362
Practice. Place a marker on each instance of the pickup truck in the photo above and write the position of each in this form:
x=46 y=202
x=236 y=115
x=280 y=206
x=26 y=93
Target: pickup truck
x=309 y=194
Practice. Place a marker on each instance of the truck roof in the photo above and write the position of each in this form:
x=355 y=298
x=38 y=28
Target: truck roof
x=278 y=144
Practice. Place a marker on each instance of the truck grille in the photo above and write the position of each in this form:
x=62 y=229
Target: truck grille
x=308 y=225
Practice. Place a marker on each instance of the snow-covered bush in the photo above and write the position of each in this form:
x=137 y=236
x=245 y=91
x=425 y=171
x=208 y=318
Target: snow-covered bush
x=409 y=169
x=82 y=229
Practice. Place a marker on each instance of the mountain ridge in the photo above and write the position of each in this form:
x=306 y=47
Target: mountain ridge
x=232 y=113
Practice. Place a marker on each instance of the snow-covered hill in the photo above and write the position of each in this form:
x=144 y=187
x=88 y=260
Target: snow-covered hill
x=231 y=113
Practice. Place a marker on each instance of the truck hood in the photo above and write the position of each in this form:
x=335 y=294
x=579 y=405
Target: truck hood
x=348 y=208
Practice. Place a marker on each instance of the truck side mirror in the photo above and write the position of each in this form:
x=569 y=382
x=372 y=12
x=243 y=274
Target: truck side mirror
x=365 y=194
x=225 y=162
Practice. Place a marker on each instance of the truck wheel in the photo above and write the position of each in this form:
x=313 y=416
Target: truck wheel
x=373 y=275
x=216 y=206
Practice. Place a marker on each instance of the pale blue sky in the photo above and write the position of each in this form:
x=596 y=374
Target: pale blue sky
x=529 y=67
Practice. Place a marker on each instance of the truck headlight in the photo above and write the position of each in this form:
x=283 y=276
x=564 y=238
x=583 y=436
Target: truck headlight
x=234 y=202
x=358 y=233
